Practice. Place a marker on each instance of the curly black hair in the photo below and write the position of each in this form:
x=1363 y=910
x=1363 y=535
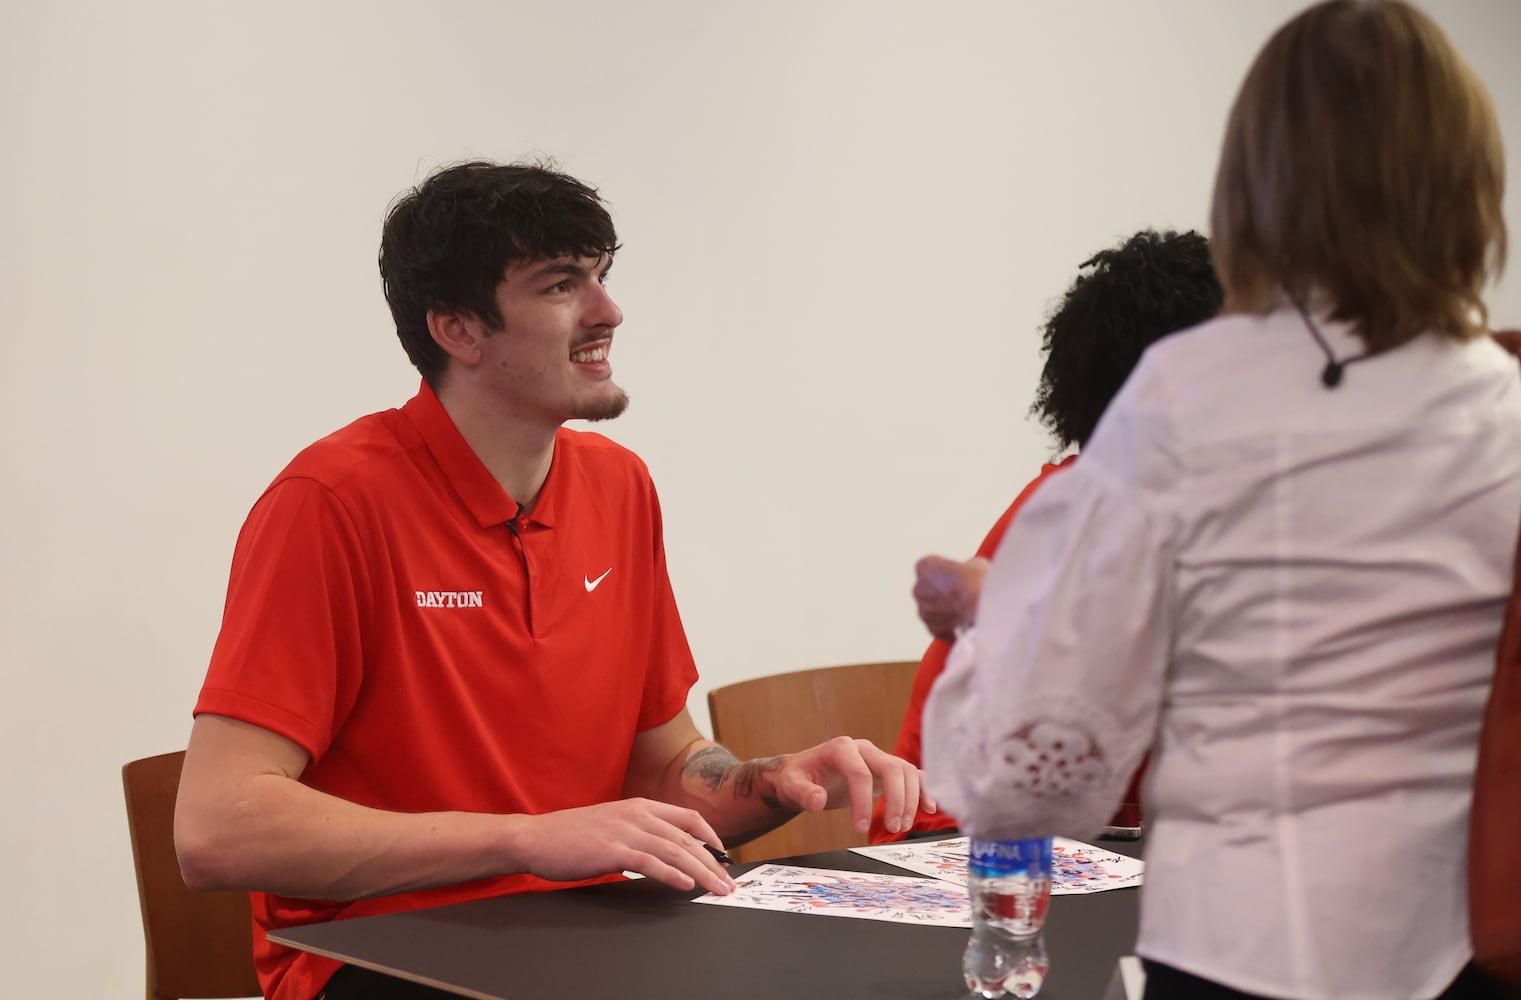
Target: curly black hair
x=447 y=243
x=1136 y=293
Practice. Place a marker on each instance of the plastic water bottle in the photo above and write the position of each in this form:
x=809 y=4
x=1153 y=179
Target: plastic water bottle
x=1010 y=885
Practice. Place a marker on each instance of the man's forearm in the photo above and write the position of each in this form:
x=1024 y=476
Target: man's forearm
x=244 y=820
x=282 y=837
x=736 y=797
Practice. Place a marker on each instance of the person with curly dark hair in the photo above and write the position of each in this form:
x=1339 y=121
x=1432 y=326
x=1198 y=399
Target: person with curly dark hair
x=1124 y=299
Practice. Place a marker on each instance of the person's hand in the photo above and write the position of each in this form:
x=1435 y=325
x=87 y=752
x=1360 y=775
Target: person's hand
x=947 y=591
x=656 y=839
x=845 y=771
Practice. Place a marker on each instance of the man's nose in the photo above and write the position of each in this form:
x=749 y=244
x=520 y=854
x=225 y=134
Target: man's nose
x=604 y=311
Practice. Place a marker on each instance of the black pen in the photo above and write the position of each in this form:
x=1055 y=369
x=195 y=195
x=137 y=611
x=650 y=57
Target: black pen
x=722 y=857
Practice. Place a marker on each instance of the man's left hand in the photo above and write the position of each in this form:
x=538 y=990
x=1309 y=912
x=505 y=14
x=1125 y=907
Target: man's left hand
x=847 y=771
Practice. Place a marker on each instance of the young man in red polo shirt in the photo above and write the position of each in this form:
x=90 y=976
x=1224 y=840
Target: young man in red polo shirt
x=450 y=663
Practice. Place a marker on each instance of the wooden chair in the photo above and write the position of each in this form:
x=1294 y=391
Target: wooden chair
x=794 y=711
x=200 y=944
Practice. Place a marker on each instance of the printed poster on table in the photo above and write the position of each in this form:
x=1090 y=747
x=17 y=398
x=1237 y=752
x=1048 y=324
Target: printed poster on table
x=1076 y=867
x=899 y=898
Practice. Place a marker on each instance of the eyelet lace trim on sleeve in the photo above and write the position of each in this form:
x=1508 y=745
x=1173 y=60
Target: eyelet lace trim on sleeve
x=1058 y=771
x=1049 y=759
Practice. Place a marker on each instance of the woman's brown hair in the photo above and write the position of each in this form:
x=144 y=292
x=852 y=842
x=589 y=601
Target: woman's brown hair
x=1362 y=165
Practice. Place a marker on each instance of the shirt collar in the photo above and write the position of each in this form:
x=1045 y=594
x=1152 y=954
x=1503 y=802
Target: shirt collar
x=487 y=501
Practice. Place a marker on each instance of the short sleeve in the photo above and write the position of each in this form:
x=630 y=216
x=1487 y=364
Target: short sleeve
x=289 y=657
x=1047 y=705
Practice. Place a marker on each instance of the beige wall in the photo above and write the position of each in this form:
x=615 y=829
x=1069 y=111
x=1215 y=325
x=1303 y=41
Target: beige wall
x=843 y=223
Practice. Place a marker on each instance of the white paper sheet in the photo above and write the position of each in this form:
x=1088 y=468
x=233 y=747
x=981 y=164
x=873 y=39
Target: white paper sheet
x=1076 y=867
x=900 y=898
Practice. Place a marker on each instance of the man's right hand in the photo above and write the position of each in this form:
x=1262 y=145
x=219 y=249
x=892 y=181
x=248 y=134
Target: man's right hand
x=655 y=839
x=947 y=592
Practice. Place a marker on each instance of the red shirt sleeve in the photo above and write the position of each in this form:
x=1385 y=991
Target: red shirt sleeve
x=288 y=658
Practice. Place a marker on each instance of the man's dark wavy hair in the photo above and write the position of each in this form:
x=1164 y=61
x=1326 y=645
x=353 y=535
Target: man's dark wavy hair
x=1123 y=300
x=448 y=242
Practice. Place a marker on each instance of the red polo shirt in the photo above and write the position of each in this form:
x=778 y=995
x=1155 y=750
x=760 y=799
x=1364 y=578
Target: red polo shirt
x=383 y=614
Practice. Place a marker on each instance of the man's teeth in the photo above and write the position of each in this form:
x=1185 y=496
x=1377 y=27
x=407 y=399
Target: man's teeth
x=595 y=354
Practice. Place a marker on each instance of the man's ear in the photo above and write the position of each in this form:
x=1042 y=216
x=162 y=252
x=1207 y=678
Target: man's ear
x=458 y=333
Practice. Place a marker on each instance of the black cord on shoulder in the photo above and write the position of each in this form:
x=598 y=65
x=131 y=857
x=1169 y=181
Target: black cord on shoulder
x=1330 y=375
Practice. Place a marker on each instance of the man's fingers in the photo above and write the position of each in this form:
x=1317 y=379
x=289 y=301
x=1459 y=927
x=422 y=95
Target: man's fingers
x=861 y=782
x=675 y=838
x=652 y=867
x=679 y=870
x=677 y=851
x=811 y=797
x=707 y=856
x=913 y=784
x=901 y=783
x=693 y=836
x=890 y=780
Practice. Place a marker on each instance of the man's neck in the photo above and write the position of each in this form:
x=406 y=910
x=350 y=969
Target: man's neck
x=517 y=453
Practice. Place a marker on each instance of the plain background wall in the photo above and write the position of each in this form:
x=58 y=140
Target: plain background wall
x=843 y=225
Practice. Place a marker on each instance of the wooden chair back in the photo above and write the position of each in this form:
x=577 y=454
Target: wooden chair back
x=199 y=944
x=784 y=713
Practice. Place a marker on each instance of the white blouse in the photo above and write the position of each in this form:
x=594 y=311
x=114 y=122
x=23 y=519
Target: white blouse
x=1295 y=592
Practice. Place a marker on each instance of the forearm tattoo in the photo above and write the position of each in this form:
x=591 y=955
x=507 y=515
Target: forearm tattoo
x=713 y=765
x=710 y=765
x=746 y=773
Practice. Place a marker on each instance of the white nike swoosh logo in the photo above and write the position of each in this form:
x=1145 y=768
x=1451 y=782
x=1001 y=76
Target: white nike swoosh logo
x=591 y=584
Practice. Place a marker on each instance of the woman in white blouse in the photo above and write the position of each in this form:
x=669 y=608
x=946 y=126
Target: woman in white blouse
x=1283 y=556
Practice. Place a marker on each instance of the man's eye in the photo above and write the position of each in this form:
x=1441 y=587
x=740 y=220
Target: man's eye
x=560 y=286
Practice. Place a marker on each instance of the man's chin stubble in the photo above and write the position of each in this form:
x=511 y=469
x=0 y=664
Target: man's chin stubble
x=606 y=409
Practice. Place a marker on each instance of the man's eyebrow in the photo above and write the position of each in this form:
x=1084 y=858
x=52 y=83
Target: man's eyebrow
x=561 y=266
x=569 y=266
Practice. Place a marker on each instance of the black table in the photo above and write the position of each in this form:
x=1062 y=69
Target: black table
x=639 y=940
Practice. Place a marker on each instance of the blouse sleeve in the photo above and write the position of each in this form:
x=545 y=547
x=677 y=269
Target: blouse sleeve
x=1047 y=705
